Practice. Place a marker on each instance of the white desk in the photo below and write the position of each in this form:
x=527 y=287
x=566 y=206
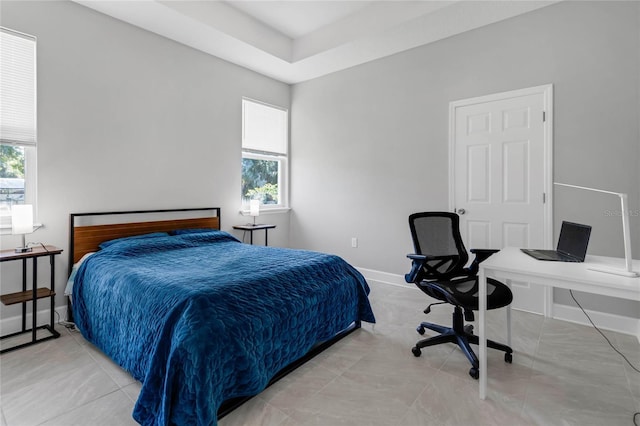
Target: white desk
x=511 y=264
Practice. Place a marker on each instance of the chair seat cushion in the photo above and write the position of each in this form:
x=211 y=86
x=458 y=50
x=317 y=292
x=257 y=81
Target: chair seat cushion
x=464 y=291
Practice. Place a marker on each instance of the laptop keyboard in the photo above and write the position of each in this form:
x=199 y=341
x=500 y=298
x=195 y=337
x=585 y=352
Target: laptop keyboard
x=543 y=255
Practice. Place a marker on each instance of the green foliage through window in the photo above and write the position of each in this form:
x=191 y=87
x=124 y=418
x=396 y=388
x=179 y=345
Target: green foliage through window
x=11 y=161
x=260 y=180
x=12 y=180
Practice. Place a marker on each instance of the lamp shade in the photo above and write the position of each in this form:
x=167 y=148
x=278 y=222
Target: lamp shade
x=254 y=207
x=21 y=219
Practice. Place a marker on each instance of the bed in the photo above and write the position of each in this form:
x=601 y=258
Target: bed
x=202 y=320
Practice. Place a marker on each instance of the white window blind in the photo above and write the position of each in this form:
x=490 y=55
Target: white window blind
x=264 y=128
x=17 y=88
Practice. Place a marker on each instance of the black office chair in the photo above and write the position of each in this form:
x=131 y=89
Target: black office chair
x=438 y=269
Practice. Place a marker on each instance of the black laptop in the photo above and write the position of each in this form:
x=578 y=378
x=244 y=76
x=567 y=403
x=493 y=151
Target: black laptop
x=572 y=244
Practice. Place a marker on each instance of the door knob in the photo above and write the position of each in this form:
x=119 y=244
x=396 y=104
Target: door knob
x=461 y=211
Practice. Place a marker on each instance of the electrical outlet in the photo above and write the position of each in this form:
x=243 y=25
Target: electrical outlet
x=354 y=242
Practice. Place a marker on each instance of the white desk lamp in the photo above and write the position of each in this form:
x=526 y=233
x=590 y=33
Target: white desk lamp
x=254 y=209
x=627 y=272
x=22 y=223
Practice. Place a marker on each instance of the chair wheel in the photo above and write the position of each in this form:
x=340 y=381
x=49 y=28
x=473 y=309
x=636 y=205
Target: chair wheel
x=508 y=357
x=475 y=373
x=468 y=328
x=420 y=330
x=416 y=351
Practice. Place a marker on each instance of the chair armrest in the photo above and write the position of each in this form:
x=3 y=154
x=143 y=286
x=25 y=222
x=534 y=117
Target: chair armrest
x=481 y=256
x=418 y=261
x=421 y=257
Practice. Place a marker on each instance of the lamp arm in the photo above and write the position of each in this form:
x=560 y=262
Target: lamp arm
x=626 y=232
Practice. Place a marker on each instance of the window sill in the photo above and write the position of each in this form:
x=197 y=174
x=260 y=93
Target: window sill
x=6 y=229
x=265 y=211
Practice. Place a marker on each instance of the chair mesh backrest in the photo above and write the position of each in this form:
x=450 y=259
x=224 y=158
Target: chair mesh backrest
x=438 y=234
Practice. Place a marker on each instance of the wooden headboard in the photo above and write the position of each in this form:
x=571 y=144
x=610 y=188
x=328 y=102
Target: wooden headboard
x=86 y=239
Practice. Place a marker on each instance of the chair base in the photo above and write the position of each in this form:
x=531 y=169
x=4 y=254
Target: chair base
x=463 y=336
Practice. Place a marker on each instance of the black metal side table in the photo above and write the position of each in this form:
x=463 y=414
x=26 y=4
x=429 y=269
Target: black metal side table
x=33 y=294
x=251 y=228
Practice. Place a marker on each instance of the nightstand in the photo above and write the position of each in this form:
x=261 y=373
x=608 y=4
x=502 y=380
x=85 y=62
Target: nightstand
x=32 y=295
x=252 y=228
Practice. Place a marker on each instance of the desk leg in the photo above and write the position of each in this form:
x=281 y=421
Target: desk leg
x=548 y=299
x=52 y=299
x=24 y=288
x=482 y=309
x=34 y=304
x=266 y=232
x=508 y=283
x=509 y=326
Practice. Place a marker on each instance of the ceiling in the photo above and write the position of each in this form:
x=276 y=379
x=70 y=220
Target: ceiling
x=297 y=40
x=299 y=18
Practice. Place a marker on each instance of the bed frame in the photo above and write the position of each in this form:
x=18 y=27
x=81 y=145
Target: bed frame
x=84 y=239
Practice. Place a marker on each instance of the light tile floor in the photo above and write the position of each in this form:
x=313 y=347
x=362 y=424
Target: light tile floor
x=562 y=374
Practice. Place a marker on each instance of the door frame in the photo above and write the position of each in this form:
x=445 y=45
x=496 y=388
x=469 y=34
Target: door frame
x=547 y=95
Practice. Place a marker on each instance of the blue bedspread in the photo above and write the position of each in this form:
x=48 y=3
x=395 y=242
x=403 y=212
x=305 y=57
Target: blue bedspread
x=201 y=318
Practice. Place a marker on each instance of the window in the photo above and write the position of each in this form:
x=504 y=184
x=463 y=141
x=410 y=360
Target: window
x=264 y=154
x=17 y=121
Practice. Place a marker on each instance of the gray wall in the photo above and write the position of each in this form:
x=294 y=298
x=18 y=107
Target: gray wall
x=369 y=144
x=130 y=120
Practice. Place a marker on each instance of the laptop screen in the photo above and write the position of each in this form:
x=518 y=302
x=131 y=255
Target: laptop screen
x=574 y=239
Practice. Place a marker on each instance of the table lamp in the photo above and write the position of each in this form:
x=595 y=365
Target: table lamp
x=627 y=271
x=22 y=223
x=254 y=209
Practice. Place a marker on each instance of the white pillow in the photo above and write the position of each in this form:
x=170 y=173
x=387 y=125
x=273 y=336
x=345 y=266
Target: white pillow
x=68 y=290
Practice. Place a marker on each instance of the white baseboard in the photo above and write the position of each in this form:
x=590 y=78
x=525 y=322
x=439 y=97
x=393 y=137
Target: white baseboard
x=385 y=277
x=14 y=324
x=603 y=320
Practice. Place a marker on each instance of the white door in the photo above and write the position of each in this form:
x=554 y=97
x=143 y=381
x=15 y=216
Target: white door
x=501 y=160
